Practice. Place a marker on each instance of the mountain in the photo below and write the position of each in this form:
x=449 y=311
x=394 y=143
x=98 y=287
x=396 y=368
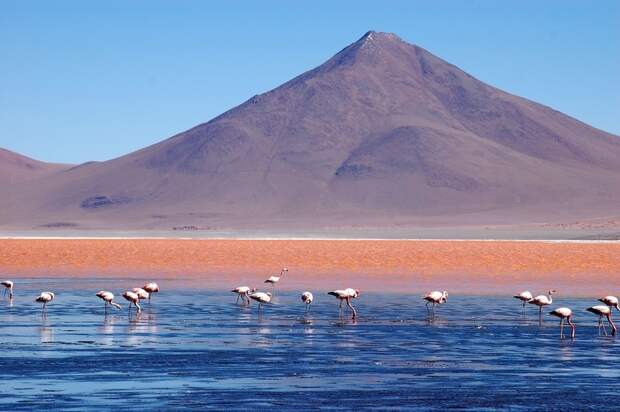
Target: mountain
x=16 y=168
x=382 y=133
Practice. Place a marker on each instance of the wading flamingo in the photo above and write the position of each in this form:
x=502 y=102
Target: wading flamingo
x=151 y=288
x=346 y=295
x=8 y=286
x=564 y=313
x=262 y=298
x=601 y=311
x=45 y=298
x=108 y=298
x=243 y=292
x=307 y=298
x=275 y=279
x=132 y=297
x=142 y=294
x=542 y=300
x=435 y=298
x=610 y=301
x=524 y=297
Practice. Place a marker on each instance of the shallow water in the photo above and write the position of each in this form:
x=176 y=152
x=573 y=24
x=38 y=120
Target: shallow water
x=197 y=349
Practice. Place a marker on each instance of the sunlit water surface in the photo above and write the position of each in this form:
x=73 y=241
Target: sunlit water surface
x=197 y=349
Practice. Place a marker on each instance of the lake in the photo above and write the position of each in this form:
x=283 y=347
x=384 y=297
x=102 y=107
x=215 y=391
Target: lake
x=196 y=349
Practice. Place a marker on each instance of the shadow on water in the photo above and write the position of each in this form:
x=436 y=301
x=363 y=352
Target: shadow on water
x=195 y=349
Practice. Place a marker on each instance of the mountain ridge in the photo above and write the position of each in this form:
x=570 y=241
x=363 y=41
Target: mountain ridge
x=382 y=131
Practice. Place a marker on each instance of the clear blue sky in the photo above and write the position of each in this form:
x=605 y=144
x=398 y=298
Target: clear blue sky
x=85 y=80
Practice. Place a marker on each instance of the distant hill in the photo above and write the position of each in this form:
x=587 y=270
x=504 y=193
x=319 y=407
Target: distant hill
x=382 y=133
x=16 y=168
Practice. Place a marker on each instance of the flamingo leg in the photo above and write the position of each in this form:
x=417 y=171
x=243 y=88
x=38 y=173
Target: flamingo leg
x=612 y=325
x=601 y=325
x=352 y=308
x=238 y=296
x=561 y=328
x=572 y=326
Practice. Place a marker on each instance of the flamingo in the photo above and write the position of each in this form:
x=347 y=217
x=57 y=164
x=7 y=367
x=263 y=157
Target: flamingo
x=346 y=295
x=436 y=298
x=275 y=279
x=524 y=297
x=108 y=298
x=243 y=292
x=132 y=297
x=542 y=300
x=45 y=298
x=307 y=298
x=142 y=294
x=564 y=313
x=151 y=288
x=262 y=298
x=610 y=301
x=8 y=286
x=601 y=311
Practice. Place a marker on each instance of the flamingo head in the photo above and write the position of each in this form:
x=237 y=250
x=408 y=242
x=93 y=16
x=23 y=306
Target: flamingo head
x=357 y=293
x=551 y=292
x=253 y=290
x=444 y=295
x=284 y=269
x=268 y=294
x=618 y=306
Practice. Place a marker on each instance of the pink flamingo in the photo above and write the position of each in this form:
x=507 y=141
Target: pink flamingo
x=610 y=301
x=45 y=298
x=525 y=297
x=142 y=294
x=8 y=286
x=108 y=298
x=346 y=295
x=132 y=297
x=542 y=300
x=243 y=292
x=564 y=314
x=151 y=288
x=601 y=311
x=262 y=298
x=275 y=279
x=307 y=298
x=435 y=298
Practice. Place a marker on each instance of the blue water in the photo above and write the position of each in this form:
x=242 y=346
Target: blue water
x=193 y=349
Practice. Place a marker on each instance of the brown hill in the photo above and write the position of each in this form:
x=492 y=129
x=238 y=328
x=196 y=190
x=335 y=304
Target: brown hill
x=16 y=168
x=384 y=132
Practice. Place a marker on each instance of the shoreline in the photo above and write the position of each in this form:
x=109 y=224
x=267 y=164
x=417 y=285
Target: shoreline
x=463 y=266
x=301 y=239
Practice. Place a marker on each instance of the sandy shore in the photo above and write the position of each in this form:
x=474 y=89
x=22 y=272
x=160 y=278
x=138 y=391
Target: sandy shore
x=575 y=268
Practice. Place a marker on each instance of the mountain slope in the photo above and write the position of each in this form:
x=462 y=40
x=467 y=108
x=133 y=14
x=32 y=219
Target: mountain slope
x=383 y=132
x=16 y=168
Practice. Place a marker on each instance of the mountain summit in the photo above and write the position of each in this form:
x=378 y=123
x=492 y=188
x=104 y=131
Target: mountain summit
x=384 y=132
